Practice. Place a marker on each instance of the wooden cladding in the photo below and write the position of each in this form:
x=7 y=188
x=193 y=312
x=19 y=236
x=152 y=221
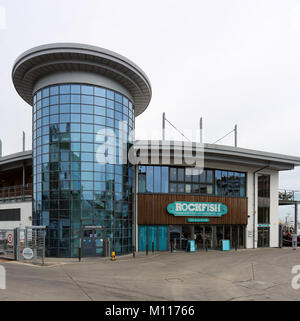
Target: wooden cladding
x=152 y=209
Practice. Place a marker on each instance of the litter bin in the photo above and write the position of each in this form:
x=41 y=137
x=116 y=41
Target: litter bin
x=225 y=245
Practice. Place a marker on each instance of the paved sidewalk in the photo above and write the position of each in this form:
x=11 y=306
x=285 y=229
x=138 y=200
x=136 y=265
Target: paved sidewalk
x=260 y=274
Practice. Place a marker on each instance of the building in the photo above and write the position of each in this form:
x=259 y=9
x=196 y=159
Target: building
x=87 y=191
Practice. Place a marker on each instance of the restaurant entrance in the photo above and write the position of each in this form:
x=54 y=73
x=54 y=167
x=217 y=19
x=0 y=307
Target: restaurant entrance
x=211 y=236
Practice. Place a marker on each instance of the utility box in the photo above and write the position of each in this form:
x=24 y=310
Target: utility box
x=225 y=245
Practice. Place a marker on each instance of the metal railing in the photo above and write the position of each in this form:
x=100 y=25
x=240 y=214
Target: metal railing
x=16 y=193
x=289 y=195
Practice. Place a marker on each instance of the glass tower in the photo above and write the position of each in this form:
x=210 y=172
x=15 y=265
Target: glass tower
x=79 y=177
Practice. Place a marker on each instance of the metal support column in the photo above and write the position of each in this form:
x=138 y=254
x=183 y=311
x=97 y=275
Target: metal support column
x=164 y=127
x=235 y=136
x=296 y=220
x=201 y=130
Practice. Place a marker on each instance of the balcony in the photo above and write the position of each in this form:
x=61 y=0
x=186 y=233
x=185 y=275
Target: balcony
x=288 y=197
x=18 y=193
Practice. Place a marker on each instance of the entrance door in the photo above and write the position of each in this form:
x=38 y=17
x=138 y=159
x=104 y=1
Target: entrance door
x=175 y=236
x=200 y=237
x=92 y=242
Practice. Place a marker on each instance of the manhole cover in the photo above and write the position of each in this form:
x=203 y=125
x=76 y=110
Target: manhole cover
x=257 y=285
x=174 y=280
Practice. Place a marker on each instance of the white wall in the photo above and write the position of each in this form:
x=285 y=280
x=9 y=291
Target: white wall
x=274 y=217
x=26 y=214
x=274 y=210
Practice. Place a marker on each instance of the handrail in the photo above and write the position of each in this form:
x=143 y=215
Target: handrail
x=288 y=195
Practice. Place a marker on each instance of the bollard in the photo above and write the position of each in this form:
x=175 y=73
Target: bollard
x=79 y=254
x=147 y=249
x=133 y=252
x=43 y=256
x=152 y=247
x=113 y=256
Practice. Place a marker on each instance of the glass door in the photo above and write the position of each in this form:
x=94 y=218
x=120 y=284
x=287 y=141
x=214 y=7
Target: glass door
x=199 y=232
x=87 y=243
x=92 y=242
x=99 y=243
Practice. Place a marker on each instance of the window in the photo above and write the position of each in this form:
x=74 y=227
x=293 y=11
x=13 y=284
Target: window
x=149 y=179
x=263 y=215
x=163 y=179
x=157 y=179
x=264 y=186
x=142 y=179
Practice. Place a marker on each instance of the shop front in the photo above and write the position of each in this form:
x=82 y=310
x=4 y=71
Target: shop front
x=170 y=221
x=206 y=237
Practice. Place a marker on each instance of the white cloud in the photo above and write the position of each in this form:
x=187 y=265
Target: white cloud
x=2 y=18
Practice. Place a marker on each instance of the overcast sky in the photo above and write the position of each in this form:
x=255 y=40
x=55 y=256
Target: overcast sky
x=228 y=61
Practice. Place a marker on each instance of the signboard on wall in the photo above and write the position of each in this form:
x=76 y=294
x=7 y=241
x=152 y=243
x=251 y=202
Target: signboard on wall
x=197 y=209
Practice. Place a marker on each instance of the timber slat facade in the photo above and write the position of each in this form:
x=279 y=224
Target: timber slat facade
x=152 y=209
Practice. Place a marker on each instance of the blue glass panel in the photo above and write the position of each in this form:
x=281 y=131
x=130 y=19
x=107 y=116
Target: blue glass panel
x=75 y=118
x=165 y=179
x=157 y=179
x=100 y=101
x=85 y=118
x=110 y=113
x=88 y=100
x=149 y=179
x=87 y=138
x=152 y=237
x=54 y=119
x=75 y=99
x=87 y=128
x=45 y=92
x=75 y=128
x=53 y=109
x=87 y=109
x=87 y=147
x=54 y=100
x=65 y=89
x=118 y=98
x=110 y=94
x=65 y=118
x=54 y=90
x=163 y=237
x=87 y=90
x=100 y=92
x=75 y=89
x=142 y=237
x=110 y=104
x=75 y=108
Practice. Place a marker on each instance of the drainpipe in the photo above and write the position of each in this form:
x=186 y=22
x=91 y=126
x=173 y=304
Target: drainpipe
x=254 y=203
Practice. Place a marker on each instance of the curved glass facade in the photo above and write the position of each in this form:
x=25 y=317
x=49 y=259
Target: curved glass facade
x=77 y=180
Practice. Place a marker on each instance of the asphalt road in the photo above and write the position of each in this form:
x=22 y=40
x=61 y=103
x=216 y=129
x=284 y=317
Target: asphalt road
x=261 y=274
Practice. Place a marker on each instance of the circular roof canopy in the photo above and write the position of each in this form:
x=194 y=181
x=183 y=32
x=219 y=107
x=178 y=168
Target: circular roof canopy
x=43 y=60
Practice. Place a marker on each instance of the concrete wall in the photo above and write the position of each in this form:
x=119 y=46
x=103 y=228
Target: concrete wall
x=26 y=214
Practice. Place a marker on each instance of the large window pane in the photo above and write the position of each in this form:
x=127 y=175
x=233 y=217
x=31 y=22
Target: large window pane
x=165 y=179
x=157 y=179
x=142 y=179
x=149 y=179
